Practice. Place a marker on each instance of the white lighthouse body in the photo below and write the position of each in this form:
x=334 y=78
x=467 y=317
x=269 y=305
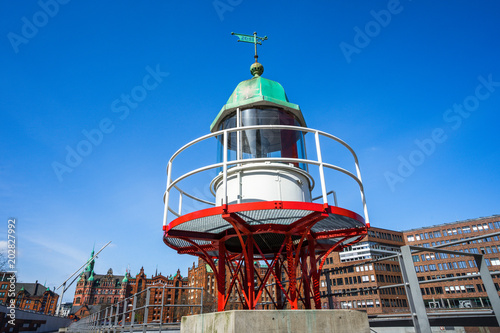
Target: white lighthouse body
x=265 y=156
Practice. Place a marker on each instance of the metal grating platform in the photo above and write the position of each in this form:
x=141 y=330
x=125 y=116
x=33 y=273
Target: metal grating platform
x=268 y=222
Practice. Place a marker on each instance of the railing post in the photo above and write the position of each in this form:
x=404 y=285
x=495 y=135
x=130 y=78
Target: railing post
x=132 y=317
x=124 y=315
x=321 y=168
x=146 y=310
x=117 y=313
x=105 y=318
x=167 y=192
x=239 y=155
x=162 y=304
x=489 y=285
x=110 y=316
x=97 y=322
x=180 y=203
x=225 y=167
x=201 y=309
x=413 y=293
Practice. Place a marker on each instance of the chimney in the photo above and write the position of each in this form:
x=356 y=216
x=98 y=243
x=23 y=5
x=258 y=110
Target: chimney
x=36 y=287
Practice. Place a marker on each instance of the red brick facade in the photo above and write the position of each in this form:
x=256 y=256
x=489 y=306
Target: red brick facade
x=36 y=297
x=429 y=265
x=356 y=286
x=95 y=292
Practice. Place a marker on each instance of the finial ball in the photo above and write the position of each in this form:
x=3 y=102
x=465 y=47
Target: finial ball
x=256 y=69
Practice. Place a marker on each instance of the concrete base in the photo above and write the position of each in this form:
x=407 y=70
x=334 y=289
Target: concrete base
x=279 y=321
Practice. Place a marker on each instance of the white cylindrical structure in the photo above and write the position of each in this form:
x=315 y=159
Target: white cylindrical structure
x=263 y=182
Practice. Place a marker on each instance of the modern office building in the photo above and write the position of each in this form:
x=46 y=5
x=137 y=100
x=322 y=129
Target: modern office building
x=357 y=282
x=464 y=293
x=350 y=280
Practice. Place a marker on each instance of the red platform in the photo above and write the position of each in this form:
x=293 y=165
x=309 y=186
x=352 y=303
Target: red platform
x=290 y=237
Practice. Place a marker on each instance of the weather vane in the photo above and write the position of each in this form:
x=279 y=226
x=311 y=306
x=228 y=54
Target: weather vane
x=251 y=39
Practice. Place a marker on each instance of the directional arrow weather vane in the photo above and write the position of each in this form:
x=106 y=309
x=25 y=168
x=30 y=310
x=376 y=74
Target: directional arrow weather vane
x=251 y=39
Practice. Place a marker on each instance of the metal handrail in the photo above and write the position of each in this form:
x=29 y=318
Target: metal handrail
x=226 y=164
x=108 y=319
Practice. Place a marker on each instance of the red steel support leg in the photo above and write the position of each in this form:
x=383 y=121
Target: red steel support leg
x=291 y=272
x=277 y=289
x=306 y=282
x=221 y=277
x=250 y=274
x=314 y=272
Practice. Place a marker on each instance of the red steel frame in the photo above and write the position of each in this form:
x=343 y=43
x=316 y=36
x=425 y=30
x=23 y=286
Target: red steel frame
x=301 y=255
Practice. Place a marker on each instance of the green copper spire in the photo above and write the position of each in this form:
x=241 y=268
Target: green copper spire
x=90 y=266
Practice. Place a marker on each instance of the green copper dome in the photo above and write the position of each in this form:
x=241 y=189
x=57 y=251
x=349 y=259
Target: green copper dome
x=91 y=278
x=125 y=279
x=254 y=92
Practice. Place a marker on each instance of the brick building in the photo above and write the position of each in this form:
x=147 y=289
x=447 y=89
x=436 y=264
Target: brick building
x=202 y=276
x=162 y=290
x=36 y=297
x=94 y=289
x=429 y=265
x=95 y=292
x=4 y=286
x=28 y=296
x=357 y=286
x=354 y=284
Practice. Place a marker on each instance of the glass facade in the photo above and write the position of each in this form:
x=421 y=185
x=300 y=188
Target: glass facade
x=263 y=143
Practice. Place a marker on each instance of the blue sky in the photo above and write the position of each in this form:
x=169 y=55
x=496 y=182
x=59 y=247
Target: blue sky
x=412 y=86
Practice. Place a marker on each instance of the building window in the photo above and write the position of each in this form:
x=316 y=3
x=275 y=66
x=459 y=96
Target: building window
x=470 y=288
x=494 y=261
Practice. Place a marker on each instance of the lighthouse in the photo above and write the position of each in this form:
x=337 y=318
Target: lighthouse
x=263 y=222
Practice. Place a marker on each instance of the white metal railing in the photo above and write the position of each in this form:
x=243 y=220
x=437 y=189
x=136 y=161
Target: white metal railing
x=133 y=313
x=225 y=164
